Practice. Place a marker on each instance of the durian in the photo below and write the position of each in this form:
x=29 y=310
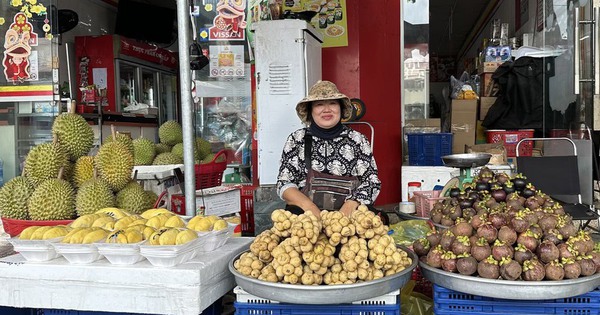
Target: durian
x=152 y=197
x=167 y=158
x=144 y=151
x=13 y=198
x=83 y=170
x=74 y=134
x=44 y=161
x=178 y=150
x=204 y=148
x=93 y=195
x=114 y=163
x=133 y=198
x=54 y=199
x=162 y=148
x=170 y=133
x=124 y=139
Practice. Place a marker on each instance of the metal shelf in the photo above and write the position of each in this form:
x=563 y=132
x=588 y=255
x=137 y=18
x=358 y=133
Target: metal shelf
x=38 y=115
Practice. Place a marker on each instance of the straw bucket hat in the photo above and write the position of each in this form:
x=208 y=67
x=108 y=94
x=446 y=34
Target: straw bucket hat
x=321 y=91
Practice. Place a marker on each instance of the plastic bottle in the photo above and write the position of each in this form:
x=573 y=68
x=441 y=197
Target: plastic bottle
x=412 y=187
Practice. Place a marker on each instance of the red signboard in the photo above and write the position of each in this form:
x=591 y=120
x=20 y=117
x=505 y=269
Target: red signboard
x=148 y=52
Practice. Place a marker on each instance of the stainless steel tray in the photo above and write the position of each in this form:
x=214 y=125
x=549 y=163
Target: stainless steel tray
x=324 y=294
x=466 y=160
x=514 y=290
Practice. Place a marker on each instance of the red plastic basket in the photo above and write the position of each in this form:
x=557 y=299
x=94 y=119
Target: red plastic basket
x=14 y=227
x=424 y=201
x=247 y=212
x=211 y=174
x=510 y=138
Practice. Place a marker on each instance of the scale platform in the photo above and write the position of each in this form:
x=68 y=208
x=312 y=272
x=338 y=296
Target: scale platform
x=466 y=162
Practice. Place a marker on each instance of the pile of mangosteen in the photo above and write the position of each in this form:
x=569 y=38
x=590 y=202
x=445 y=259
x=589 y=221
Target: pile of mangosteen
x=504 y=228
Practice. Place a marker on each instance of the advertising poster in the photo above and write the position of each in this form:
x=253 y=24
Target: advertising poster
x=226 y=61
x=330 y=19
x=221 y=20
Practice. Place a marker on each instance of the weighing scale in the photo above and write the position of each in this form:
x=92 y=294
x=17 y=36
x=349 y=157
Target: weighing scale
x=466 y=162
x=238 y=175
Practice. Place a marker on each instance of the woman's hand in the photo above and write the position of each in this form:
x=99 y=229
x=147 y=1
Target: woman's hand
x=313 y=209
x=348 y=207
x=294 y=196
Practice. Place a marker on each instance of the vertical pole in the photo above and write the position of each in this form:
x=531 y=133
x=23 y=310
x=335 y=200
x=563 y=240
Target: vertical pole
x=185 y=78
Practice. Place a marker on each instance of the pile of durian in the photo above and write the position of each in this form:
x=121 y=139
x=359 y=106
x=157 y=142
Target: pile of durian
x=170 y=148
x=333 y=249
x=62 y=181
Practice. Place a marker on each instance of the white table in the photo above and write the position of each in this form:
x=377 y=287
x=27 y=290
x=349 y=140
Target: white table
x=185 y=289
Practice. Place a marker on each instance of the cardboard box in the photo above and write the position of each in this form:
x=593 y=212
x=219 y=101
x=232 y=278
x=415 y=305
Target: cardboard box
x=484 y=106
x=489 y=66
x=489 y=87
x=497 y=151
x=463 y=124
x=431 y=122
x=220 y=200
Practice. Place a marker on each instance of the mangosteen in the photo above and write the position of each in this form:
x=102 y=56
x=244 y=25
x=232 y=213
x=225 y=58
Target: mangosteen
x=547 y=252
x=555 y=270
x=519 y=181
x=541 y=197
x=436 y=216
x=530 y=216
x=528 y=191
x=466 y=265
x=533 y=270
x=488 y=268
x=532 y=203
x=498 y=193
x=449 y=261
x=468 y=213
x=596 y=258
x=579 y=243
x=461 y=245
x=501 y=250
x=548 y=221
x=486 y=174
x=478 y=219
x=518 y=222
x=572 y=268
x=507 y=235
x=554 y=236
x=462 y=228
x=491 y=202
x=454 y=192
x=537 y=230
x=421 y=246
x=481 y=249
x=446 y=221
x=513 y=202
x=565 y=250
x=510 y=269
x=529 y=240
x=508 y=187
x=447 y=239
x=498 y=219
x=522 y=254
x=487 y=231
x=566 y=228
x=473 y=195
x=455 y=213
x=502 y=178
x=588 y=267
x=482 y=186
x=434 y=238
x=558 y=208
x=434 y=257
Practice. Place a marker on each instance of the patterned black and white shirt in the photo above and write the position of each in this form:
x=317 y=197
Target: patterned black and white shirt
x=349 y=154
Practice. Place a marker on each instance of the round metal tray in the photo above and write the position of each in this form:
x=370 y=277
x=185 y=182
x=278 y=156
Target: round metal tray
x=514 y=290
x=324 y=294
x=466 y=160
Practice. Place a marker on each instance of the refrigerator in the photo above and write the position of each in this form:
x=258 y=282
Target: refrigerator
x=288 y=62
x=287 y=56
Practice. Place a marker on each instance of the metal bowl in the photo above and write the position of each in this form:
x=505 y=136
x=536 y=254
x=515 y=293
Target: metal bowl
x=324 y=294
x=466 y=160
x=514 y=290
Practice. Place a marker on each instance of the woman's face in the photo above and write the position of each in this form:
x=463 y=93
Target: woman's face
x=326 y=114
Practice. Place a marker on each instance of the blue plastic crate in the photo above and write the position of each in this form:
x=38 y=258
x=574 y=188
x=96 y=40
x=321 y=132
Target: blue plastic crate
x=4 y=310
x=448 y=301
x=298 y=309
x=427 y=149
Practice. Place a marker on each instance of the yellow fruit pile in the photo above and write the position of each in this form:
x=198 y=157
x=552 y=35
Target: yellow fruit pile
x=113 y=225
x=202 y=223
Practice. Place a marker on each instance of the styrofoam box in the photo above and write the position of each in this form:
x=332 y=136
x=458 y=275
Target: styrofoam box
x=78 y=253
x=170 y=255
x=121 y=254
x=387 y=299
x=213 y=240
x=35 y=250
x=157 y=172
